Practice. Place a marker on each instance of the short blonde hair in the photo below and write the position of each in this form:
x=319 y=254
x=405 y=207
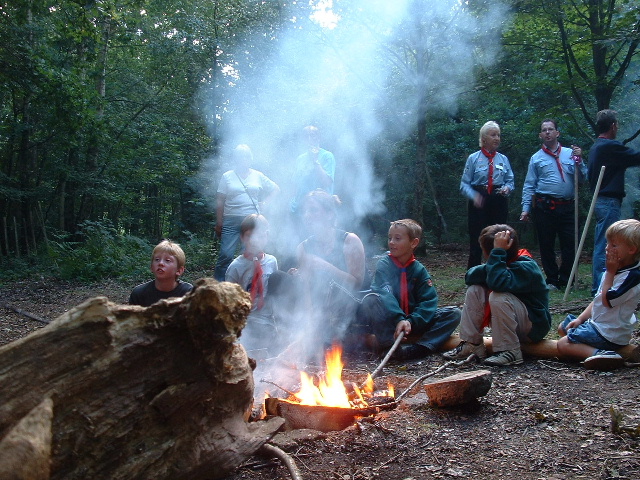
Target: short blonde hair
x=484 y=130
x=167 y=246
x=628 y=231
x=413 y=228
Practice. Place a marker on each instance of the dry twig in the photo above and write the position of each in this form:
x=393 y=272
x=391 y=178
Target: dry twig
x=26 y=314
x=273 y=451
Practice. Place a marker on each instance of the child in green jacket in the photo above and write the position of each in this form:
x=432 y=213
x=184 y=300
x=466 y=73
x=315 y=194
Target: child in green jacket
x=509 y=293
x=405 y=300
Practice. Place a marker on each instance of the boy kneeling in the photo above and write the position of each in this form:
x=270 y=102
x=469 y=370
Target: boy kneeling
x=510 y=293
x=608 y=322
x=405 y=300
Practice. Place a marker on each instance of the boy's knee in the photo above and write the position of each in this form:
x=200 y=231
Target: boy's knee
x=561 y=331
x=562 y=327
x=563 y=345
x=449 y=315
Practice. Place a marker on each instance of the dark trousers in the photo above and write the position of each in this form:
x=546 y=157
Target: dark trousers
x=551 y=221
x=494 y=210
x=376 y=319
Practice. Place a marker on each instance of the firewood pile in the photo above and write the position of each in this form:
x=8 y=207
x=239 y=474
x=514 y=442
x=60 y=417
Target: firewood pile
x=112 y=391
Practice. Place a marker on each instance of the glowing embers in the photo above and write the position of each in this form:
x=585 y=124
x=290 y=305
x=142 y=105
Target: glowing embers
x=327 y=404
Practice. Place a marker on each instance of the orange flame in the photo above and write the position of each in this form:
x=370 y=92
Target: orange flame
x=331 y=391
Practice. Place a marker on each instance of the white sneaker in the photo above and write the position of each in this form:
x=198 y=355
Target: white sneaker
x=464 y=349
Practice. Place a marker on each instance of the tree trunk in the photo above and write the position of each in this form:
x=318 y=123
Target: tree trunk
x=158 y=392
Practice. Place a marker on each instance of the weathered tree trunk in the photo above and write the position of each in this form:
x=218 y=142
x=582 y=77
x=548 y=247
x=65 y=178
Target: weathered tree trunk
x=158 y=392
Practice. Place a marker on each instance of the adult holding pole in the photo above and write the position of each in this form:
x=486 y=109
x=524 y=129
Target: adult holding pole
x=548 y=195
x=616 y=157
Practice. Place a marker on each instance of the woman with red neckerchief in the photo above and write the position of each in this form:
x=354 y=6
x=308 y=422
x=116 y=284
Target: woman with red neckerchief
x=487 y=181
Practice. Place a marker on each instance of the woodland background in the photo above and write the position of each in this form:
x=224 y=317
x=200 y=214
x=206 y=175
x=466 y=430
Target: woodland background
x=117 y=116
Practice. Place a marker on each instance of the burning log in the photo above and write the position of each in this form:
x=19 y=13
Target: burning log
x=320 y=417
x=114 y=391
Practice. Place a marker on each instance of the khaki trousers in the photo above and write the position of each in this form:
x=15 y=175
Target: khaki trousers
x=510 y=322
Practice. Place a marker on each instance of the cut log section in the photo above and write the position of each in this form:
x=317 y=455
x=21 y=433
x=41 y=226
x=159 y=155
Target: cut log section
x=318 y=417
x=459 y=389
x=161 y=392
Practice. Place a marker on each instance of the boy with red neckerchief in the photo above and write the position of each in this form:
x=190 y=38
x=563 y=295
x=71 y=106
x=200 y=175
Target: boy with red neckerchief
x=251 y=270
x=407 y=299
x=509 y=292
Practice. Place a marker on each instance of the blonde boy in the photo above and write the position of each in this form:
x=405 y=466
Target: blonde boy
x=405 y=298
x=167 y=265
x=608 y=322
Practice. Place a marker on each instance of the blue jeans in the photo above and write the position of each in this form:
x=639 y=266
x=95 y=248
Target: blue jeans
x=229 y=241
x=587 y=334
x=383 y=324
x=607 y=210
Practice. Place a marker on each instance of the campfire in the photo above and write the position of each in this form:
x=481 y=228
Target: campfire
x=324 y=402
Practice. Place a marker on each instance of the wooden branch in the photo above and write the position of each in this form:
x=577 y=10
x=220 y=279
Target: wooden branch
x=273 y=451
x=25 y=313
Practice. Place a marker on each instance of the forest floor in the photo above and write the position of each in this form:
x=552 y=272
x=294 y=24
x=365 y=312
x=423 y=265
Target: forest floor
x=543 y=419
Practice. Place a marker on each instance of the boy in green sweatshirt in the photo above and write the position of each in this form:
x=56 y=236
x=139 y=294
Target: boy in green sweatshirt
x=509 y=293
x=405 y=299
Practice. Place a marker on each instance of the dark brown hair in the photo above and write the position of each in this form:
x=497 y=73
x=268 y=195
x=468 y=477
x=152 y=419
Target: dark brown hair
x=489 y=233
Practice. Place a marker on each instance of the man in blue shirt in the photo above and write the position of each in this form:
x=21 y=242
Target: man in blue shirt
x=548 y=196
x=616 y=158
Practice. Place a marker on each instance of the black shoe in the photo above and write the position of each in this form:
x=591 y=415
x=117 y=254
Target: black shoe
x=410 y=352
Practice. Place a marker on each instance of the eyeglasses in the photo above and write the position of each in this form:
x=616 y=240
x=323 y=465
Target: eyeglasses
x=547 y=130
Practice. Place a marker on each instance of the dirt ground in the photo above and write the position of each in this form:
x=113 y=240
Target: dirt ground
x=543 y=419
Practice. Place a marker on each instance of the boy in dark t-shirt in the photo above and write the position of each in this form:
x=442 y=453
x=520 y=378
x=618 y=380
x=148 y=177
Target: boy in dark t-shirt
x=167 y=264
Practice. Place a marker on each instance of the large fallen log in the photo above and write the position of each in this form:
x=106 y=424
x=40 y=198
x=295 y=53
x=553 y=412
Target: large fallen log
x=158 y=392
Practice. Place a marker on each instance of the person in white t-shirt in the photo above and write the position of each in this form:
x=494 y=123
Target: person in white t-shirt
x=241 y=192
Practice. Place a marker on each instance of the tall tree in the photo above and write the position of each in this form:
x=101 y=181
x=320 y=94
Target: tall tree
x=589 y=44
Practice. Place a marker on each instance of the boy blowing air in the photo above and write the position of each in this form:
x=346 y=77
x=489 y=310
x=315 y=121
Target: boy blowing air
x=167 y=264
x=405 y=299
x=251 y=270
x=608 y=322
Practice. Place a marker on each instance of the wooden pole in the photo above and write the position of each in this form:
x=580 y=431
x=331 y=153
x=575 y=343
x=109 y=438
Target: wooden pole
x=576 y=212
x=584 y=234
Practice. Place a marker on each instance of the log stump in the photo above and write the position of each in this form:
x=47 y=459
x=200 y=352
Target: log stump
x=158 y=392
x=459 y=389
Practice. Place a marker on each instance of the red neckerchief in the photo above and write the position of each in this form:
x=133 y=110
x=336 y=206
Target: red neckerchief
x=490 y=179
x=404 y=288
x=486 y=318
x=555 y=155
x=257 y=286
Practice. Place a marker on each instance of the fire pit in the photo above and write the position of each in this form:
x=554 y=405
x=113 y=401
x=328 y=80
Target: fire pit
x=316 y=417
x=328 y=406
